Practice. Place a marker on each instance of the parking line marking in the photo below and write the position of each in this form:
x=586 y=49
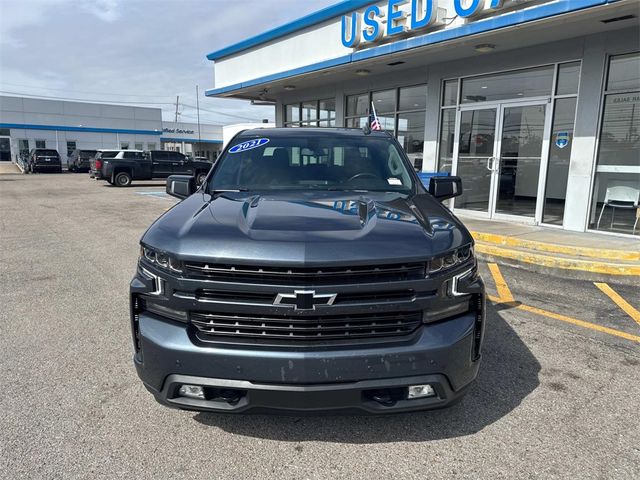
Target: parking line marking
x=618 y=300
x=503 y=290
x=505 y=296
x=580 y=323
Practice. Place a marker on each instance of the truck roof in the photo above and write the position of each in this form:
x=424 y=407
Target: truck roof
x=311 y=131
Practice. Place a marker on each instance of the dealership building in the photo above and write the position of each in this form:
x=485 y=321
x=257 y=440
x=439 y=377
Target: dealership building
x=27 y=123
x=535 y=104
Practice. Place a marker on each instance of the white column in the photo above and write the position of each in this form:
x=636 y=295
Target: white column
x=583 y=151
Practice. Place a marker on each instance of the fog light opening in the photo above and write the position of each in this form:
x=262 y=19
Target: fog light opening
x=420 y=391
x=192 y=391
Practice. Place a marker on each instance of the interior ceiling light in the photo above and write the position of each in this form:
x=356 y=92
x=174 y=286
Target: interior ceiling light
x=289 y=87
x=485 y=47
x=362 y=72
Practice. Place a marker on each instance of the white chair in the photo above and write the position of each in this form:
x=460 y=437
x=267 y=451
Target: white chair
x=621 y=196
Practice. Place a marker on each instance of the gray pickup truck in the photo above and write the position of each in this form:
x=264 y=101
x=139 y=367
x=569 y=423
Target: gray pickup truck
x=311 y=271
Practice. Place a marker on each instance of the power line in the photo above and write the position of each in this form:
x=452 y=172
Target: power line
x=217 y=112
x=89 y=93
x=49 y=97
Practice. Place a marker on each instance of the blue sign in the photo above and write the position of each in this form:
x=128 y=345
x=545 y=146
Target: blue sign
x=562 y=139
x=244 y=146
x=379 y=22
x=425 y=177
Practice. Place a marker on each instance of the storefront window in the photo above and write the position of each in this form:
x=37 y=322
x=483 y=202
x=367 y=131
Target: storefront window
x=23 y=146
x=71 y=146
x=357 y=105
x=384 y=101
x=616 y=189
x=532 y=82
x=450 y=96
x=624 y=72
x=564 y=114
x=151 y=146
x=41 y=144
x=447 y=136
x=292 y=113
x=312 y=113
x=139 y=146
x=413 y=98
x=407 y=121
x=568 y=78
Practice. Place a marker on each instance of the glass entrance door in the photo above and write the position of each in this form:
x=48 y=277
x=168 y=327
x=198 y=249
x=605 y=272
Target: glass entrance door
x=499 y=156
x=518 y=166
x=5 y=149
x=475 y=159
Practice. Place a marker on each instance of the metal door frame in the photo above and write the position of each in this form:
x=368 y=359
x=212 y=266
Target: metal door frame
x=495 y=160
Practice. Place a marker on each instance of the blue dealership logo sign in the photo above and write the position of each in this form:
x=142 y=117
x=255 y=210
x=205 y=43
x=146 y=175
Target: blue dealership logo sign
x=562 y=139
x=244 y=146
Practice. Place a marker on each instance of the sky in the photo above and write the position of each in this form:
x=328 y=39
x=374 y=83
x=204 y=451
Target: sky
x=142 y=52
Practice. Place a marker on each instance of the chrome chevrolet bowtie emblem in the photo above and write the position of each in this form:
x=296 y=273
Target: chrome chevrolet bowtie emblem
x=305 y=299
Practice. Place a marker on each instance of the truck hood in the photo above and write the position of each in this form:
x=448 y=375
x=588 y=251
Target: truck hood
x=307 y=228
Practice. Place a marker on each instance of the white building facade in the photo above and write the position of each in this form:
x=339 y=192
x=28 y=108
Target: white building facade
x=534 y=103
x=27 y=123
x=192 y=139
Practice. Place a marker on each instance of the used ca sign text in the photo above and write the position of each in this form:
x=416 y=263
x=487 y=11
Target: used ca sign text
x=379 y=22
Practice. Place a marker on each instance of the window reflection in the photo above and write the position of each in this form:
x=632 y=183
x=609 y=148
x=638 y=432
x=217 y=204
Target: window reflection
x=532 y=82
x=616 y=189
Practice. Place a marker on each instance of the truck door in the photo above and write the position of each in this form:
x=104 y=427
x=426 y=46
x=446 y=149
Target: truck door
x=180 y=164
x=161 y=165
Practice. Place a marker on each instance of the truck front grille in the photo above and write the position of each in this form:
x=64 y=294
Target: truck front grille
x=326 y=327
x=306 y=276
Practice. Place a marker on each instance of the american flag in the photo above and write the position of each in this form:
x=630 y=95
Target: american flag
x=374 y=123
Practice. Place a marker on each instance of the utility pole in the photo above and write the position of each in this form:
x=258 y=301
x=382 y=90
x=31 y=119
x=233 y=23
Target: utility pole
x=198 y=109
x=177 y=101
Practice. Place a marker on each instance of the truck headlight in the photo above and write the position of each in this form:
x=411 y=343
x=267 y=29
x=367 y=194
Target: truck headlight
x=451 y=260
x=160 y=259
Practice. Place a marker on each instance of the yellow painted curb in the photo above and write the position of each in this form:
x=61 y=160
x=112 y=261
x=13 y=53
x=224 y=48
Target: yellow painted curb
x=503 y=240
x=558 y=262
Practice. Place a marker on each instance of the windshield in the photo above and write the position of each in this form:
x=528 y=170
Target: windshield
x=46 y=153
x=318 y=161
x=87 y=153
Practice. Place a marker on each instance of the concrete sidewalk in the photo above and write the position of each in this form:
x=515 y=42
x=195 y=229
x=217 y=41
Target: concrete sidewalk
x=8 y=168
x=587 y=256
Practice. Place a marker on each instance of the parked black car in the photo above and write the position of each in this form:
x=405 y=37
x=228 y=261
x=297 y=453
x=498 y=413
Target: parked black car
x=312 y=271
x=44 y=160
x=80 y=160
x=121 y=167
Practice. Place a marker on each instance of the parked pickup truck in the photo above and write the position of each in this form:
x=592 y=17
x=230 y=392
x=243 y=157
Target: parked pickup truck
x=121 y=167
x=311 y=271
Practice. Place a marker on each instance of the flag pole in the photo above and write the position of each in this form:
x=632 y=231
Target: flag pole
x=375 y=115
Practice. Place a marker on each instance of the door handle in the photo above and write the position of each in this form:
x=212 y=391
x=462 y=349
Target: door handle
x=490 y=161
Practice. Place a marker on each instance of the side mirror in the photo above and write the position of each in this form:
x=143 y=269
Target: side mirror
x=181 y=186
x=443 y=188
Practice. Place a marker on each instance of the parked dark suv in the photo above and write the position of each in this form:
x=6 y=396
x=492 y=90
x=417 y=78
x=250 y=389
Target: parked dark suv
x=311 y=271
x=80 y=160
x=44 y=160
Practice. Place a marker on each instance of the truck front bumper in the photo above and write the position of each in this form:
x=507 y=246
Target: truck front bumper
x=357 y=379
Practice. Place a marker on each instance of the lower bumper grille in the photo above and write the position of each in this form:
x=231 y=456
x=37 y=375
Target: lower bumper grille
x=307 y=327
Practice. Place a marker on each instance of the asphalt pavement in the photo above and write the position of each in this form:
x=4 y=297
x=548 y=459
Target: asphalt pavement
x=557 y=395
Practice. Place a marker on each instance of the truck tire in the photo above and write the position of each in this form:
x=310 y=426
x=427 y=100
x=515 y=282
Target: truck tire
x=200 y=176
x=122 y=179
